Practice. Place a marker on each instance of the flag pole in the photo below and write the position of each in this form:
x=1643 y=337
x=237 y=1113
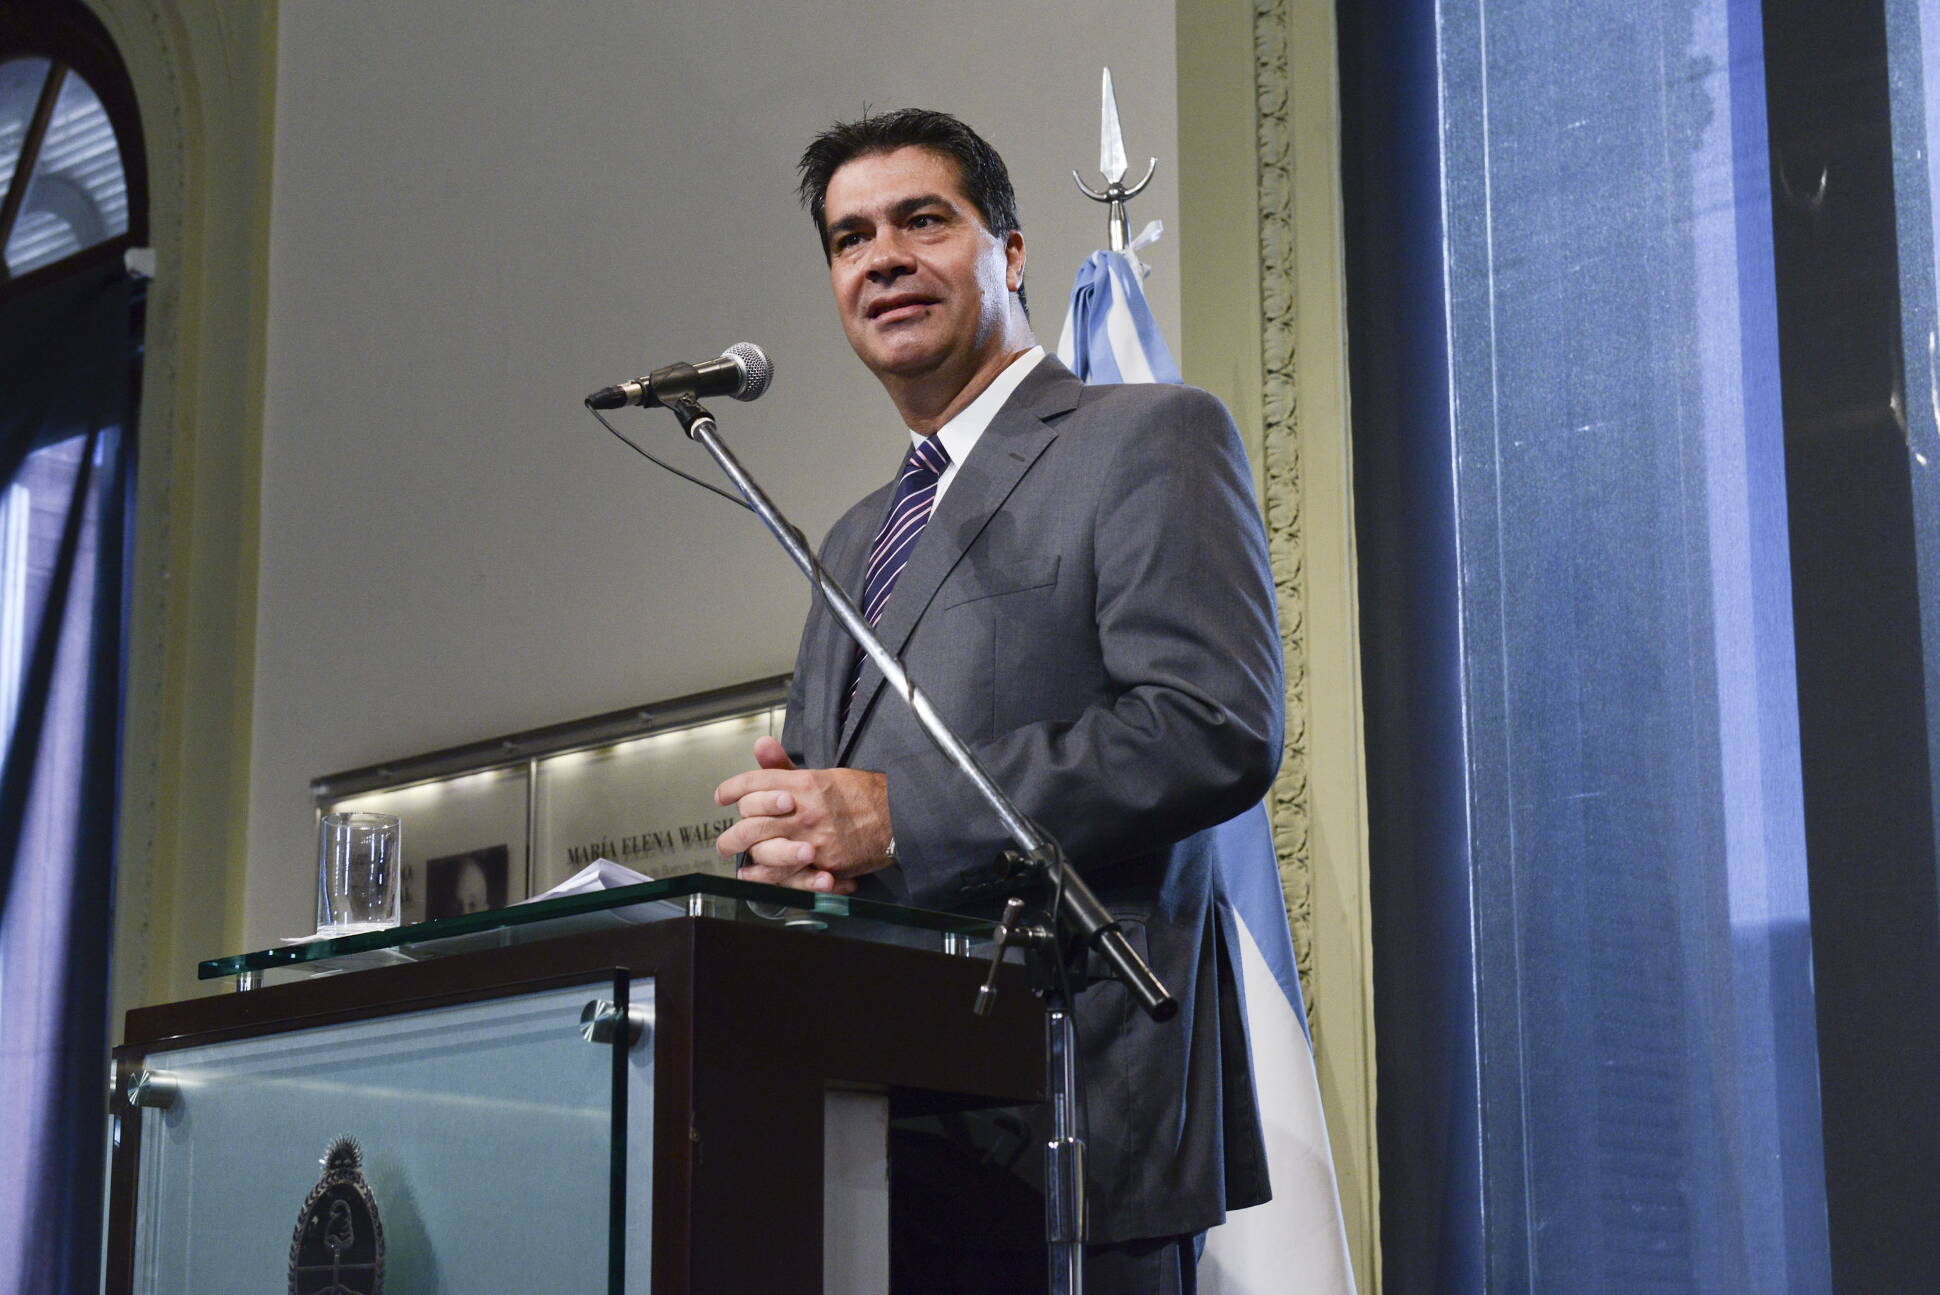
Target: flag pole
x=1111 y=164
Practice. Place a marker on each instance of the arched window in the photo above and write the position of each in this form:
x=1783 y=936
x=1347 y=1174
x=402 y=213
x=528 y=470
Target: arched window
x=72 y=203
x=73 y=189
x=66 y=188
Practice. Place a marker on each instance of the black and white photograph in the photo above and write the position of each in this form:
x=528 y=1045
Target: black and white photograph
x=471 y=882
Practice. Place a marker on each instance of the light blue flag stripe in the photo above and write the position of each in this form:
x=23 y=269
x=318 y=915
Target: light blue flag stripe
x=1256 y=898
x=1109 y=333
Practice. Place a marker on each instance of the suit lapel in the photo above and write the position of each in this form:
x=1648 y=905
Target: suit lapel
x=1009 y=446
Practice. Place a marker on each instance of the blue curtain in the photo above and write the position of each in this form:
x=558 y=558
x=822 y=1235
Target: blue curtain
x=67 y=389
x=1913 y=53
x=1598 y=1052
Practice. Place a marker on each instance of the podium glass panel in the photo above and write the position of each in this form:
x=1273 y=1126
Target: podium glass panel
x=689 y=895
x=500 y=1147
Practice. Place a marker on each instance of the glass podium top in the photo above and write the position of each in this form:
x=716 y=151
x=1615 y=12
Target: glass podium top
x=691 y=895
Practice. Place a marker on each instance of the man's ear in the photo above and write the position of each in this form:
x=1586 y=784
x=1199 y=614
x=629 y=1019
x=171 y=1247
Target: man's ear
x=1014 y=260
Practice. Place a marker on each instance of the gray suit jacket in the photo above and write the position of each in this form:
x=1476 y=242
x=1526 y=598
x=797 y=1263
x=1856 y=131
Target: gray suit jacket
x=1091 y=609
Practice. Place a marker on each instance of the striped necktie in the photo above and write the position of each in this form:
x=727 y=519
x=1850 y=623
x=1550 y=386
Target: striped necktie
x=909 y=510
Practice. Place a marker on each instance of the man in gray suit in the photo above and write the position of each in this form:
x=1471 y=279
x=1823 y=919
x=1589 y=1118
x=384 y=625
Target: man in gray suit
x=1078 y=578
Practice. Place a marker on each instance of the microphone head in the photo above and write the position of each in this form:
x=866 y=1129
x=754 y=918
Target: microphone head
x=757 y=371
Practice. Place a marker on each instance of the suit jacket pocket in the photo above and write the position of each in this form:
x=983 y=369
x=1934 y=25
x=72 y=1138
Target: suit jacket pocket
x=974 y=583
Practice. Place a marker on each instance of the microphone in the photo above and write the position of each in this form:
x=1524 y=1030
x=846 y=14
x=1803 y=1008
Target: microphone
x=742 y=371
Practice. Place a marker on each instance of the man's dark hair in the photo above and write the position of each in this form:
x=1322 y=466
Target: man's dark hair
x=986 y=180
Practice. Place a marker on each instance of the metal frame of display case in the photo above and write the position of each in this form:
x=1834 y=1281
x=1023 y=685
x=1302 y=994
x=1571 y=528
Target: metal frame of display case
x=523 y=748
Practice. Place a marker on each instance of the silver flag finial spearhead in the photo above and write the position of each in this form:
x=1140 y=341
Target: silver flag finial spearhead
x=1111 y=161
x=1111 y=138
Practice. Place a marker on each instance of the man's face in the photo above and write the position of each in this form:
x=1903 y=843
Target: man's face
x=921 y=284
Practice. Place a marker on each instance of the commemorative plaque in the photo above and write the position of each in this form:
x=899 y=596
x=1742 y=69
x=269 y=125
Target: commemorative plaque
x=338 y=1248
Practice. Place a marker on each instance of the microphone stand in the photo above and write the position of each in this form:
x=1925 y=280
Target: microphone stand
x=1037 y=865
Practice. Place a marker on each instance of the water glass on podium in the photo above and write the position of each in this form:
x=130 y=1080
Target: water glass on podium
x=358 y=855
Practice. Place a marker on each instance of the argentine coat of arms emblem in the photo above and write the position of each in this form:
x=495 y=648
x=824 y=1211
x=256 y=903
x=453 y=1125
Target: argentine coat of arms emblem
x=338 y=1248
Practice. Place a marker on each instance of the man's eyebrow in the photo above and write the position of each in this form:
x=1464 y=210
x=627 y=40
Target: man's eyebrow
x=902 y=209
x=844 y=225
x=908 y=207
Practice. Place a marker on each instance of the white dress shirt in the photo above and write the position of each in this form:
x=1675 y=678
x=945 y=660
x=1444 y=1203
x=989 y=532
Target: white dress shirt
x=961 y=434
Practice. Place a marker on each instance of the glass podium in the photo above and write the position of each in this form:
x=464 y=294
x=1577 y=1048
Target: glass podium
x=595 y=1092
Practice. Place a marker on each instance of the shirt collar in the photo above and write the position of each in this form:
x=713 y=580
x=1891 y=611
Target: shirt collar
x=961 y=433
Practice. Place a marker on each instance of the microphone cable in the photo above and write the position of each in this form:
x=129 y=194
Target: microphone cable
x=814 y=558
x=620 y=436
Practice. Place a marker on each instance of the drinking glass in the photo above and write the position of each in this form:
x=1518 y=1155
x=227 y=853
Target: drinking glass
x=358 y=855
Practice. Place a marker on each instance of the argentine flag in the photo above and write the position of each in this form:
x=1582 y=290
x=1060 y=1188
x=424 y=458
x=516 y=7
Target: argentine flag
x=1296 y=1243
x=1109 y=332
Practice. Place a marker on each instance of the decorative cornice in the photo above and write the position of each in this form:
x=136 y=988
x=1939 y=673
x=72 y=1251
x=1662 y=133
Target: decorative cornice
x=1290 y=804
